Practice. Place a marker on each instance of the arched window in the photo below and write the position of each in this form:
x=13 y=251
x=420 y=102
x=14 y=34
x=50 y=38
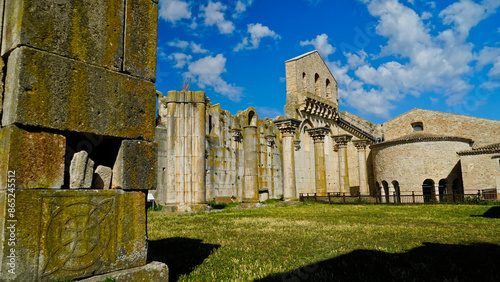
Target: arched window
x=428 y=190
x=304 y=84
x=316 y=82
x=442 y=188
x=250 y=118
x=328 y=89
x=417 y=126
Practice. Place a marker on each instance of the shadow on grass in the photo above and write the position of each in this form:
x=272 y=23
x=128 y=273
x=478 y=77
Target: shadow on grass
x=181 y=255
x=493 y=212
x=431 y=262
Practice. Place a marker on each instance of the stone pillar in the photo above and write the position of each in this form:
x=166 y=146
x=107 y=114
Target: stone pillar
x=363 y=180
x=436 y=191
x=342 y=141
x=250 y=188
x=318 y=134
x=288 y=127
x=199 y=148
x=391 y=193
x=382 y=195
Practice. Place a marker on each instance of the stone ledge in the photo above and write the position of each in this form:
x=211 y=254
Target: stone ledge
x=154 y=271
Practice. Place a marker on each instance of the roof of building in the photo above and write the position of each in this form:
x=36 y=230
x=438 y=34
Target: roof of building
x=488 y=149
x=422 y=137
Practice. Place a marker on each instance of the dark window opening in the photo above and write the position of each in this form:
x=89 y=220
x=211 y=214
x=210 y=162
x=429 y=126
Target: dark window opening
x=417 y=126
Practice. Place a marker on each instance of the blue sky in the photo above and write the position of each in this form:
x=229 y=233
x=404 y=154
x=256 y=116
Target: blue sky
x=387 y=56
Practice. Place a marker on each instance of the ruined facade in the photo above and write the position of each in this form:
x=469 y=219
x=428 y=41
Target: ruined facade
x=78 y=114
x=316 y=148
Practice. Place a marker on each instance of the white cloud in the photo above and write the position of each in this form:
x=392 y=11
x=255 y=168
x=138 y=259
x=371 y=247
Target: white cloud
x=426 y=16
x=174 y=10
x=257 y=32
x=321 y=44
x=195 y=48
x=241 y=7
x=426 y=63
x=207 y=71
x=180 y=59
x=214 y=15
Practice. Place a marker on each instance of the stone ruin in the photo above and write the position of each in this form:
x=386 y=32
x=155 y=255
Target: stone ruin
x=77 y=118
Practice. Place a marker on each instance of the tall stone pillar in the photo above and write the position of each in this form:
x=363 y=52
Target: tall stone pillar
x=250 y=188
x=318 y=134
x=288 y=127
x=436 y=191
x=363 y=179
x=391 y=193
x=342 y=141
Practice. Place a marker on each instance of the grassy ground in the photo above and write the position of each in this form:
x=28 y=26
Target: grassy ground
x=315 y=242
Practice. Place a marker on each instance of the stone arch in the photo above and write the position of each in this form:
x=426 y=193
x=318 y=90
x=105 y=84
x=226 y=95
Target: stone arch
x=252 y=118
x=397 y=190
x=328 y=89
x=317 y=89
x=428 y=190
x=304 y=82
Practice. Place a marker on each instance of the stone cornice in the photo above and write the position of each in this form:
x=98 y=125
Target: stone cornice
x=288 y=126
x=318 y=133
x=318 y=106
x=342 y=140
x=488 y=149
x=421 y=137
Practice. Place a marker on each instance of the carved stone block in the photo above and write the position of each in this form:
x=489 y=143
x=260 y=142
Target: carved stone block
x=85 y=30
x=36 y=158
x=49 y=91
x=70 y=234
x=135 y=166
x=140 y=39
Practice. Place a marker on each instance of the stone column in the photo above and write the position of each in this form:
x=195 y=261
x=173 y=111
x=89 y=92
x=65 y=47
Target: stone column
x=382 y=195
x=363 y=181
x=198 y=163
x=436 y=191
x=318 y=134
x=250 y=188
x=342 y=141
x=391 y=193
x=288 y=127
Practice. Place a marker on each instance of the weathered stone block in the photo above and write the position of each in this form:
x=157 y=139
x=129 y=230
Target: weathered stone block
x=2 y=65
x=81 y=171
x=102 y=177
x=35 y=159
x=154 y=271
x=135 y=166
x=86 y=30
x=70 y=234
x=50 y=91
x=141 y=20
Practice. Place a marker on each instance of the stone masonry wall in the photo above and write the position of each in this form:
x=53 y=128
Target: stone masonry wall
x=480 y=172
x=76 y=139
x=482 y=131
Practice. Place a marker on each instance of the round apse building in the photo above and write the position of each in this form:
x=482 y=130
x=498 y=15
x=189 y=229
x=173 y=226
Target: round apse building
x=420 y=163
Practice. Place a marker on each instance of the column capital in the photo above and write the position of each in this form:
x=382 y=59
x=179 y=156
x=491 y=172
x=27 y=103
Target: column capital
x=288 y=126
x=318 y=133
x=361 y=144
x=342 y=140
x=270 y=140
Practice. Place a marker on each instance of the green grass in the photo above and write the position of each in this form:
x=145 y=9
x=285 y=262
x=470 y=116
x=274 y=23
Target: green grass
x=318 y=242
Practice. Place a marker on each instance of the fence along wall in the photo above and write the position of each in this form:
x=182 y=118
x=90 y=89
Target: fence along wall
x=240 y=157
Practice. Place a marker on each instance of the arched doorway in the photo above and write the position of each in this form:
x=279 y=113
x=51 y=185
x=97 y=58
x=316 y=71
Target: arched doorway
x=397 y=191
x=385 y=186
x=428 y=190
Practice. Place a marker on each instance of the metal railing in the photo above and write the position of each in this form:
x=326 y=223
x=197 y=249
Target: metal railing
x=413 y=198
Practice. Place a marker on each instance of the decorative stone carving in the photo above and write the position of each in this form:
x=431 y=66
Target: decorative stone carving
x=270 y=140
x=288 y=126
x=342 y=140
x=296 y=144
x=236 y=134
x=361 y=144
x=318 y=133
x=314 y=105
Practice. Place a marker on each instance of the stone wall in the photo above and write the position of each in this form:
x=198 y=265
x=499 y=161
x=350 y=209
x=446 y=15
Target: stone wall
x=78 y=112
x=411 y=163
x=482 y=131
x=481 y=168
x=239 y=152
